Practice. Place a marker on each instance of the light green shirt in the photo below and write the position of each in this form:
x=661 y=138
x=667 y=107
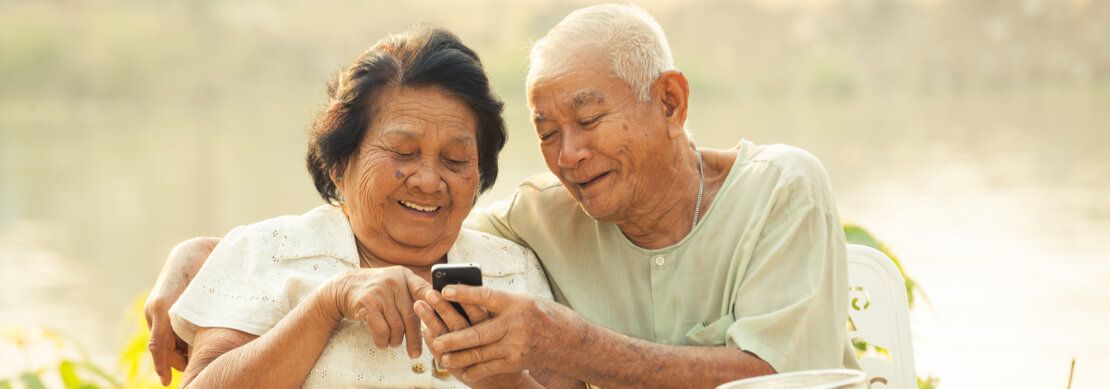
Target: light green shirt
x=764 y=270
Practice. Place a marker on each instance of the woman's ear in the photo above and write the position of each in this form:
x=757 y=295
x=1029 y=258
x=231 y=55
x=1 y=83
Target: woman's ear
x=673 y=91
x=336 y=175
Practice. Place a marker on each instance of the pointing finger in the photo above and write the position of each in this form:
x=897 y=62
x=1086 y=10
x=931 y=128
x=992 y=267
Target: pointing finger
x=417 y=286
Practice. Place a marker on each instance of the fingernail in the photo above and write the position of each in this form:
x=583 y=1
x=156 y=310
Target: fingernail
x=446 y=361
x=449 y=291
x=438 y=344
x=414 y=354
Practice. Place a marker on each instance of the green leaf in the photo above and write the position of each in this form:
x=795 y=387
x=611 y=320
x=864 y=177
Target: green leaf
x=929 y=382
x=5 y=384
x=32 y=381
x=858 y=235
x=855 y=234
x=69 y=375
x=99 y=372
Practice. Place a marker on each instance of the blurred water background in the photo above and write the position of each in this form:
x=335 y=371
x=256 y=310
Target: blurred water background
x=972 y=136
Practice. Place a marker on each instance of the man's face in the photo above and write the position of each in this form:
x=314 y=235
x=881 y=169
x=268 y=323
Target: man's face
x=595 y=136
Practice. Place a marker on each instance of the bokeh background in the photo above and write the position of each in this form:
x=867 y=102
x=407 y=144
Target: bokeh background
x=971 y=136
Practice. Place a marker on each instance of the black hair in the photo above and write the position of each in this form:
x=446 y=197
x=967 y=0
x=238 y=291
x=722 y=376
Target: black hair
x=420 y=57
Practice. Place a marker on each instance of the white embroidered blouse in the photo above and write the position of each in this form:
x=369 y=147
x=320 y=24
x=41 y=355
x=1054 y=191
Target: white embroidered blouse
x=259 y=272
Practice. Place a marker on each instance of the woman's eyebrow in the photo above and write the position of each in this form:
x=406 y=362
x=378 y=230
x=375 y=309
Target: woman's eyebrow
x=462 y=140
x=400 y=134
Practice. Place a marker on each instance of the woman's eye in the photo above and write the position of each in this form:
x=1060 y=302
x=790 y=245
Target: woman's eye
x=456 y=164
x=547 y=135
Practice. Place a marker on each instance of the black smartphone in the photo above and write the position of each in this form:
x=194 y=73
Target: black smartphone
x=456 y=273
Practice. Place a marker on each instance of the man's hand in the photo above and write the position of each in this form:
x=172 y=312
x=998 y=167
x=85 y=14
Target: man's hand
x=440 y=317
x=520 y=333
x=383 y=299
x=166 y=349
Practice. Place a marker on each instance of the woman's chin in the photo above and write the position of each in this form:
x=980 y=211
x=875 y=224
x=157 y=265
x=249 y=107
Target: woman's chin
x=419 y=239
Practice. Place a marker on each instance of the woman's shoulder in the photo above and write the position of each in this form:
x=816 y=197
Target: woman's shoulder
x=258 y=272
x=497 y=256
x=322 y=231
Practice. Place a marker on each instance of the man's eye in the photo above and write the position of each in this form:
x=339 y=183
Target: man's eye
x=589 y=121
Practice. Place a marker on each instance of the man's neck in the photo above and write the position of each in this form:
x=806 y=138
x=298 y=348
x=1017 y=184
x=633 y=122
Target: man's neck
x=663 y=218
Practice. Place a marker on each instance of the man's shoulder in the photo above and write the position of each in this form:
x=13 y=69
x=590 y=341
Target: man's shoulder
x=538 y=203
x=788 y=162
x=542 y=182
x=544 y=191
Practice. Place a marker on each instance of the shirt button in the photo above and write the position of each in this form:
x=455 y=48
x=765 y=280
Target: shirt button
x=418 y=367
x=660 y=261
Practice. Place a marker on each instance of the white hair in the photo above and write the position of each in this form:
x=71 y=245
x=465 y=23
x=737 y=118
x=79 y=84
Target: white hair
x=634 y=41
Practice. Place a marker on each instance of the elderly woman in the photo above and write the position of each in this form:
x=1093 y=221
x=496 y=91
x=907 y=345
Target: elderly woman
x=326 y=299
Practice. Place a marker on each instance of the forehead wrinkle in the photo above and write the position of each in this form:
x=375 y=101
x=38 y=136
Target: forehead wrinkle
x=426 y=118
x=422 y=113
x=403 y=131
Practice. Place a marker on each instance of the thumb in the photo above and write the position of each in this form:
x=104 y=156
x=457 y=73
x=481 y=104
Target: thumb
x=485 y=297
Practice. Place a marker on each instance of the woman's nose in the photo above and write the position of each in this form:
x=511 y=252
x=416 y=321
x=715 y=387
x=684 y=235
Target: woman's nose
x=426 y=178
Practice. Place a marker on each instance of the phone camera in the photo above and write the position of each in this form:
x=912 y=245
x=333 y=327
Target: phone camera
x=439 y=274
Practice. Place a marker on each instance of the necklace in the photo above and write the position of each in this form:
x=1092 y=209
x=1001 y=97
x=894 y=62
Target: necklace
x=701 y=188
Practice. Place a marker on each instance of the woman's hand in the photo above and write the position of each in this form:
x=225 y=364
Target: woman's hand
x=383 y=299
x=166 y=348
x=440 y=317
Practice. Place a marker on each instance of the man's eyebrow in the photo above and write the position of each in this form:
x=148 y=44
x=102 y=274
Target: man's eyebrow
x=584 y=97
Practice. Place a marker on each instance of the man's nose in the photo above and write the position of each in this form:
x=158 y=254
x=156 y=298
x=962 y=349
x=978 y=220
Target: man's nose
x=574 y=150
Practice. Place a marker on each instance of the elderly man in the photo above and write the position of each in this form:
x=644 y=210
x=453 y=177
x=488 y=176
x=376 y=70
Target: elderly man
x=671 y=266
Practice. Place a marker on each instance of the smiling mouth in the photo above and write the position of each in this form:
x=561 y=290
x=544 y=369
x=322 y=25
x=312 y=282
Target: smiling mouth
x=418 y=207
x=593 y=181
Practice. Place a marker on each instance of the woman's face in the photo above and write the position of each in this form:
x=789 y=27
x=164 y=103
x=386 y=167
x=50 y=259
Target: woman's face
x=414 y=177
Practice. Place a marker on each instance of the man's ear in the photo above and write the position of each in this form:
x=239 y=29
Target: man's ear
x=673 y=90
